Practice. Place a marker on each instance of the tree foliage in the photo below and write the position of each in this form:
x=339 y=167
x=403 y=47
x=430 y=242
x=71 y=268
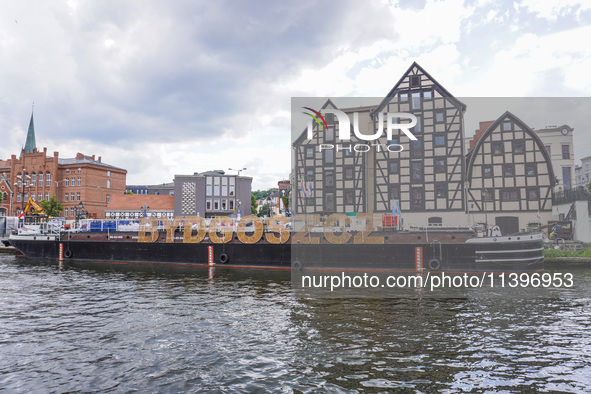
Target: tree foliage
x=253 y=204
x=52 y=207
x=259 y=194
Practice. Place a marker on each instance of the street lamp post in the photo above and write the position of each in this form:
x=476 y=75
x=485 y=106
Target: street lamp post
x=80 y=212
x=144 y=210
x=23 y=181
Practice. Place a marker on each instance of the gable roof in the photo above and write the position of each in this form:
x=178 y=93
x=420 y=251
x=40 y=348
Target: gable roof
x=412 y=70
x=471 y=156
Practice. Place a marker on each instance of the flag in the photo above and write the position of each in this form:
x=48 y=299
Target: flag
x=303 y=190
x=395 y=208
x=310 y=190
x=22 y=215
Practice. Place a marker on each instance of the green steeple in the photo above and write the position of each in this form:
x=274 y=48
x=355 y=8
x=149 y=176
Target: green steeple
x=30 y=144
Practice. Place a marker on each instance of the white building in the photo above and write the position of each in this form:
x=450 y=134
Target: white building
x=558 y=141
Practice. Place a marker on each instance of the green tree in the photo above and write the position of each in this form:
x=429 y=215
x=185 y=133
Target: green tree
x=285 y=200
x=52 y=207
x=253 y=204
x=129 y=192
x=1 y=198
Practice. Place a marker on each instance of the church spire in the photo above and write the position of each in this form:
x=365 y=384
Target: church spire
x=30 y=144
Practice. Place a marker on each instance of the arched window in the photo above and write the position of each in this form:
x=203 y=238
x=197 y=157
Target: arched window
x=33 y=179
x=48 y=178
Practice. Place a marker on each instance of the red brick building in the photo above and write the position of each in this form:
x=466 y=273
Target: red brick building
x=82 y=179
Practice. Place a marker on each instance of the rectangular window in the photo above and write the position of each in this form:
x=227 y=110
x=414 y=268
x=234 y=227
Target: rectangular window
x=440 y=190
x=507 y=126
x=417 y=171
x=416 y=100
x=216 y=204
x=48 y=179
x=508 y=170
x=108 y=173
x=79 y=170
x=73 y=181
x=518 y=146
x=40 y=179
x=329 y=134
x=566 y=178
x=415 y=81
x=329 y=178
x=18 y=197
x=224 y=186
x=487 y=171
x=78 y=181
x=40 y=197
x=47 y=196
x=349 y=173
x=33 y=179
x=549 y=150
x=208 y=185
x=108 y=198
x=488 y=195
x=224 y=204
x=108 y=183
x=510 y=195
x=403 y=97
x=309 y=175
x=72 y=212
x=310 y=201
x=439 y=140
x=394 y=192
x=497 y=147
x=439 y=117
x=533 y=193
x=329 y=202
x=309 y=153
x=67 y=171
x=349 y=197
x=232 y=186
x=78 y=196
x=208 y=204
x=565 y=153
x=530 y=169
x=231 y=204
x=416 y=149
x=428 y=94
x=440 y=165
x=67 y=197
x=393 y=167
x=328 y=156
x=418 y=129
x=417 y=198
x=216 y=187
x=67 y=182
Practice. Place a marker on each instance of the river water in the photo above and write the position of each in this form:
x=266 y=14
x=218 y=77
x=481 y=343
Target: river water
x=118 y=328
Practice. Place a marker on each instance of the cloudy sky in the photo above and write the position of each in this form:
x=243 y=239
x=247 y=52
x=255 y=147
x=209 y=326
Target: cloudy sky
x=164 y=88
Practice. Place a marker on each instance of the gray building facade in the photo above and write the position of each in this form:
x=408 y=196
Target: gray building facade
x=212 y=193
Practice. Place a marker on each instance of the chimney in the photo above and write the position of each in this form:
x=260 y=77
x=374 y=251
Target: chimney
x=92 y=157
x=99 y=159
x=79 y=156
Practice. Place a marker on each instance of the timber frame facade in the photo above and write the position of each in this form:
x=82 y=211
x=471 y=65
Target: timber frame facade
x=507 y=176
x=510 y=171
x=331 y=180
x=428 y=174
